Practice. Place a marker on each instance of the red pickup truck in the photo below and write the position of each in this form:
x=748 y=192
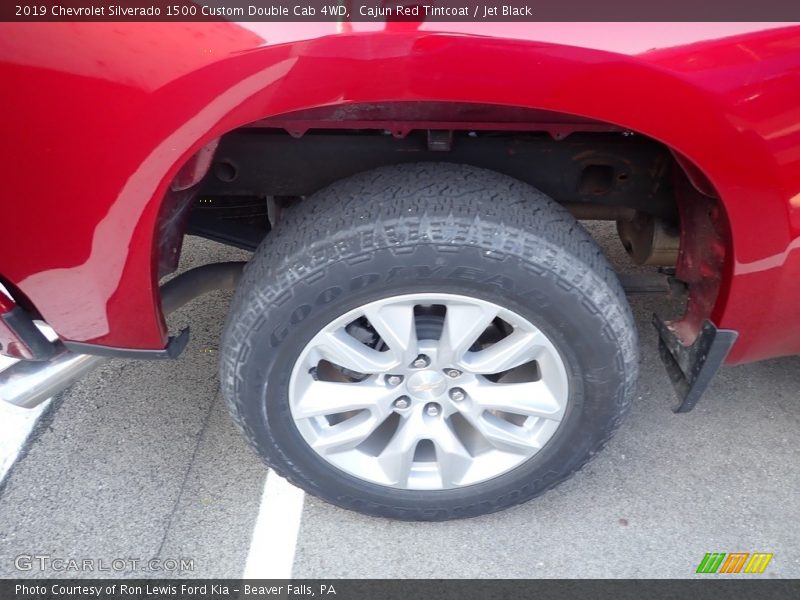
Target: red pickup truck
x=425 y=330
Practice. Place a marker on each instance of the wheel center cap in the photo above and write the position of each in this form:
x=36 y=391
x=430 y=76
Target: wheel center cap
x=427 y=385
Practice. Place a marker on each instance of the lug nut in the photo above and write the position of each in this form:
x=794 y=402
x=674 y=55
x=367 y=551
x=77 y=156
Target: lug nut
x=457 y=395
x=432 y=410
x=421 y=362
x=402 y=402
x=394 y=380
x=453 y=373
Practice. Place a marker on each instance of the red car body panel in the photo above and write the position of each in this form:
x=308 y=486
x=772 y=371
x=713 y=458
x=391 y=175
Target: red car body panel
x=99 y=118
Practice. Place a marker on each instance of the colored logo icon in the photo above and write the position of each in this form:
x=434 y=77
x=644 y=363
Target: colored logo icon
x=734 y=562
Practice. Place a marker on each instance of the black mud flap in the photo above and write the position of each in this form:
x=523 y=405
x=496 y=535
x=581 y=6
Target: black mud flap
x=175 y=346
x=691 y=368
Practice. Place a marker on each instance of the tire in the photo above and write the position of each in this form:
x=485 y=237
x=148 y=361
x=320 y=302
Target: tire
x=448 y=231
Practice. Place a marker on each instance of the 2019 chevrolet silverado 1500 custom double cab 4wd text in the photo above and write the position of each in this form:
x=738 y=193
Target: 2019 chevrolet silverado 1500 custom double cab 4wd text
x=425 y=330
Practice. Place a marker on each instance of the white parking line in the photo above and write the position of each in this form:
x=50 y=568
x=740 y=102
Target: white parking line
x=274 y=539
x=16 y=424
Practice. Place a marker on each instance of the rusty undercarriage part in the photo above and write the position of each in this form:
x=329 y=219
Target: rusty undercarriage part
x=650 y=240
x=692 y=348
x=598 y=171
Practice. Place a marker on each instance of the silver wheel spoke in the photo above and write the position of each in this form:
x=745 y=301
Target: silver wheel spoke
x=343 y=350
x=533 y=399
x=463 y=325
x=330 y=398
x=396 y=458
x=512 y=351
x=347 y=434
x=395 y=324
x=505 y=436
x=453 y=458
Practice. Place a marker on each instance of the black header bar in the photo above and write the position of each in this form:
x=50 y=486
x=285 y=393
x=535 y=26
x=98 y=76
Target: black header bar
x=703 y=587
x=400 y=10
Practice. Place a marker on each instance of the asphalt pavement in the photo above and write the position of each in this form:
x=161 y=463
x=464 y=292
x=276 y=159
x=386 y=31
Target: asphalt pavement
x=140 y=460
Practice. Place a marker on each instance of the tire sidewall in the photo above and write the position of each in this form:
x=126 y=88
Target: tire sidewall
x=552 y=303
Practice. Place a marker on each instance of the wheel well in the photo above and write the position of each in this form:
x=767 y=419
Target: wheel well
x=668 y=214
